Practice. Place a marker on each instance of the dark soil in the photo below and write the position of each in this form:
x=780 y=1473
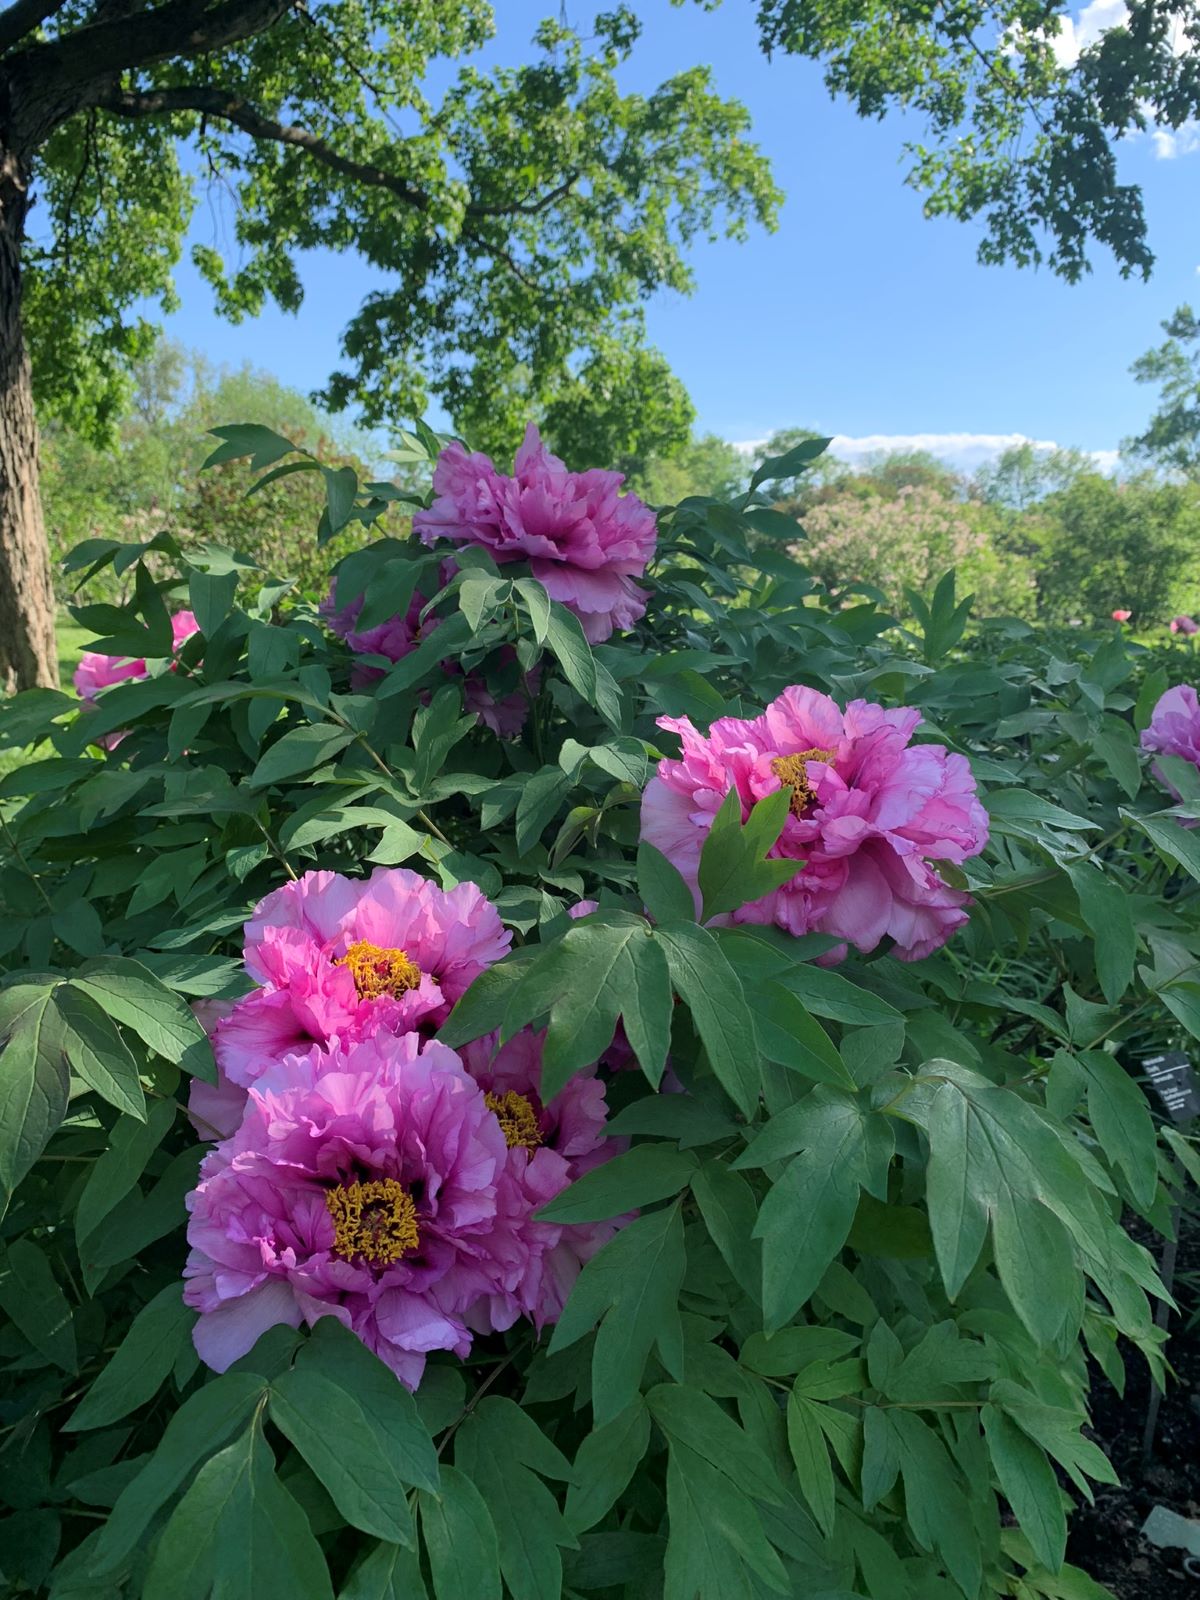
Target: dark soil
x=1106 y=1538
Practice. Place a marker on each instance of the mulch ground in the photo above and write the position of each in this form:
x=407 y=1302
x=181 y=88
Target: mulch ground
x=1105 y=1539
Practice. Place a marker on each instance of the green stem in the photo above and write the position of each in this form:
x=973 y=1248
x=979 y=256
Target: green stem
x=424 y=817
x=276 y=851
x=476 y=1398
x=390 y=776
x=28 y=870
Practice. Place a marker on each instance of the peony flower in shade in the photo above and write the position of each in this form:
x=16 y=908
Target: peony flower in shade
x=531 y=1266
x=339 y=958
x=1174 y=730
x=214 y=1109
x=361 y=1184
x=504 y=714
x=393 y=639
x=584 y=540
x=868 y=815
x=1121 y=616
x=1185 y=625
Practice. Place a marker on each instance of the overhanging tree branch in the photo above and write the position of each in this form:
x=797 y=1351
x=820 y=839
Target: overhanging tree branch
x=526 y=208
x=499 y=253
x=228 y=107
x=50 y=82
x=22 y=17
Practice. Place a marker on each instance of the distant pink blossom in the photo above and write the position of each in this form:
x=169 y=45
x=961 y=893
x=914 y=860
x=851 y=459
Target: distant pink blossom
x=531 y=1266
x=361 y=1184
x=584 y=540
x=338 y=958
x=1121 y=616
x=869 y=816
x=1174 y=730
x=1184 y=625
x=96 y=672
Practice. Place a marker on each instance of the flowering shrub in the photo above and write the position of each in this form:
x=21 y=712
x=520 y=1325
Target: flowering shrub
x=908 y=541
x=677 y=1143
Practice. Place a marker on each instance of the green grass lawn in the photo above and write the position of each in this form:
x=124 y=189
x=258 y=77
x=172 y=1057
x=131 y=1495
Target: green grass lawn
x=72 y=641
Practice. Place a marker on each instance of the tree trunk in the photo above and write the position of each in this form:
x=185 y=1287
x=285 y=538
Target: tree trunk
x=28 y=653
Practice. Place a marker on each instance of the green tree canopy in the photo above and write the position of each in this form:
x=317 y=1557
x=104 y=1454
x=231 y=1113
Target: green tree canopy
x=1172 y=438
x=1106 y=544
x=516 y=224
x=521 y=219
x=152 y=481
x=1026 y=473
x=1024 y=117
x=706 y=465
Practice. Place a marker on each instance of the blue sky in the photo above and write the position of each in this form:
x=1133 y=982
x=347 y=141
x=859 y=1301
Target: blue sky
x=858 y=316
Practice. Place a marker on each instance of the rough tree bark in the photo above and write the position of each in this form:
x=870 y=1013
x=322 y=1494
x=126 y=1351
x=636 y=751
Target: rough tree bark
x=43 y=82
x=28 y=656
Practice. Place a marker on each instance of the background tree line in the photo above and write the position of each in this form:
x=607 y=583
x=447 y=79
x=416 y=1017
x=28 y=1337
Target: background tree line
x=519 y=224
x=1044 y=535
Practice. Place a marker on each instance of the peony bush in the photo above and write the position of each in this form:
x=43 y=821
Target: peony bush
x=554 y=1064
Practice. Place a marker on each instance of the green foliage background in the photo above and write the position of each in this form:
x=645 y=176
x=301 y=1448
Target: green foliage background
x=880 y=1230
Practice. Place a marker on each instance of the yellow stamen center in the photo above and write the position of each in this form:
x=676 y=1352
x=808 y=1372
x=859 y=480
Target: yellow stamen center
x=376 y=1221
x=378 y=972
x=792 y=772
x=517 y=1118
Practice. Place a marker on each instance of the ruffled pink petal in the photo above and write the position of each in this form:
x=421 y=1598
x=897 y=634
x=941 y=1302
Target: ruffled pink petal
x=586 y=541
x=223 y=1336
x=264 y=1244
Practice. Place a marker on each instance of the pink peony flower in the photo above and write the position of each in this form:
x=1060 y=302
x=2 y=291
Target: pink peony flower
x=96 y=672
x=362 y=1185
x=584 y=541
x=1184 y=625
x=398 y=637
x=1121 y=616
x=393 y=639
x=339 y=958
x=531 y=1266
x=503 y=714
x=869 y=813
x=1174 y=730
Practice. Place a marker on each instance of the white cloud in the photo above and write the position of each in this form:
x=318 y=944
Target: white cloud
x=1181 y=141
x=963 y=451
x=1076 y=33
x=1092 y=23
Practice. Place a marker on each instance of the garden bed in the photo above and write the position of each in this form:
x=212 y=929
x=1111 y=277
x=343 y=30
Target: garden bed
x=1106 y=1538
